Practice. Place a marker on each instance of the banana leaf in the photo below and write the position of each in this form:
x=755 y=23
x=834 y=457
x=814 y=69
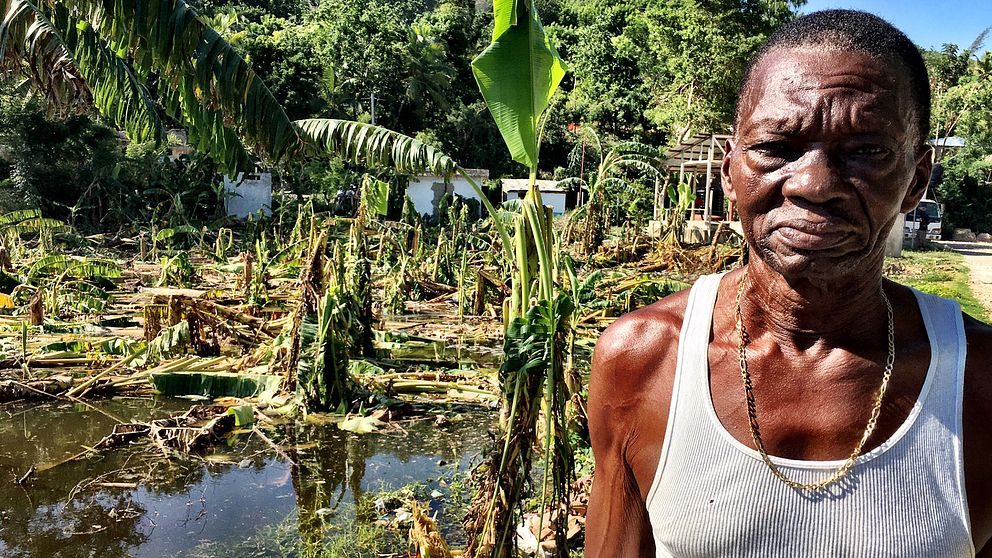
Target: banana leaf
x=15 y=217
x=215 y=384
x=361 y=425
x=377 y=195
x=518 y=75
x=244 y=415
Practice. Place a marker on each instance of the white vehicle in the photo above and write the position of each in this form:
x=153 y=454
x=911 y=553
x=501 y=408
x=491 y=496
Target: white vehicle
x=913 y=219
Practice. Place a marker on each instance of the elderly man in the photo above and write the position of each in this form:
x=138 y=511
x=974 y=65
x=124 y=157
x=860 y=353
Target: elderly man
x=802 y=405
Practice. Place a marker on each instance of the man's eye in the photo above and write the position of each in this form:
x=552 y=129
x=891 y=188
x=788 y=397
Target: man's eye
x=870 y=150
x=774 y=150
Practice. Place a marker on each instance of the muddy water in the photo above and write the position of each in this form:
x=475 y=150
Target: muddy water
x=130 y=502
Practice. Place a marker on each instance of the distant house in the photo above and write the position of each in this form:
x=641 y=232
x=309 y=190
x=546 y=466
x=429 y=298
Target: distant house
x=551 y=193
x=248 y=194
x=426 y=190
x=942 y=146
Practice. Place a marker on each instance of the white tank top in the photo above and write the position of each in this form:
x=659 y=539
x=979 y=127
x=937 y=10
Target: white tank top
x=713 y=496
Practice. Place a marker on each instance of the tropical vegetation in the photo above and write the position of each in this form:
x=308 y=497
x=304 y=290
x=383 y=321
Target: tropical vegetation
x=342 y=306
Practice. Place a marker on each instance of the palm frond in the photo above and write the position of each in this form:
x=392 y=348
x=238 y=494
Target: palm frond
x=640 y=165
x=571 y=182
x=118 y=92
x=637 y=148
x=30 y=45
x=14 y=217
x=32 y=226
x=368 y=144
x=978 y=43
x=61 y=50
x=221 y=98
x=614 y=181
x=58 y=264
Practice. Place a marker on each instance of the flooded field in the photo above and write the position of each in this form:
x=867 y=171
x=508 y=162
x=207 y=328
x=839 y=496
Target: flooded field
x=338 y=491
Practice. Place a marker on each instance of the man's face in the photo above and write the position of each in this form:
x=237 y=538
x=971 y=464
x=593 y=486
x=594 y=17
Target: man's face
x=825 y=155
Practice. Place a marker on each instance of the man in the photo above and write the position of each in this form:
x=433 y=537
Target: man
x=924 y=228
x=802 y=405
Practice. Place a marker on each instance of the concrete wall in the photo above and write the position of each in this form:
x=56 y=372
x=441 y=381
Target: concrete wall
x=556 y=200
x=249 y=195
x=426 y=191
x=893 y=243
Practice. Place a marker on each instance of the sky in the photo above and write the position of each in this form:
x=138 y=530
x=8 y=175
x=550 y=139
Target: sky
x=928 y=23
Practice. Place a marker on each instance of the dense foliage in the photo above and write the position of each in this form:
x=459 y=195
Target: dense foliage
x=962 y=88
x=74 y=168
x=650 y=71
x=641 y=69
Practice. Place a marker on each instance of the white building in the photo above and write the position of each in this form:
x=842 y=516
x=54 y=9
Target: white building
x=248 y=194
x=426 y=190
x=551 y=193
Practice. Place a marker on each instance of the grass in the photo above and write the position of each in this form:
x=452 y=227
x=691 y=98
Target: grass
x=347 y=539
x=360 y=529
x=942 y=273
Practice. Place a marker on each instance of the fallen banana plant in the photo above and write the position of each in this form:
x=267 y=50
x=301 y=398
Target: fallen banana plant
x=195 y=430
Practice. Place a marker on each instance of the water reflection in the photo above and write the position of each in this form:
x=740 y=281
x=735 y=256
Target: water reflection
x=131 y=502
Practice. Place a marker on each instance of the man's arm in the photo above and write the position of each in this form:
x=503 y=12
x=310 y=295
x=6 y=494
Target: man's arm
x=977 y=436
x=630 y=390
x=617 y=521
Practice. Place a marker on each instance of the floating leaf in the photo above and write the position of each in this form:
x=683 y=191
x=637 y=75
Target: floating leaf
x=361 y=425
x=215 y=384
x=244 y=415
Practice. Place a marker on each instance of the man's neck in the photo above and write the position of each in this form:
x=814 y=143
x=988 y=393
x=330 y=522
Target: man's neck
x=803 y=313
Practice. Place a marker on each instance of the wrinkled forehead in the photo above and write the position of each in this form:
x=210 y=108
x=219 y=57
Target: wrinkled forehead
x=798 y=80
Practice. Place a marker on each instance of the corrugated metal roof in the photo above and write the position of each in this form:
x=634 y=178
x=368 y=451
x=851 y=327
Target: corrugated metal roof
x=694 y=153
x=951 y=141
x=521 y=184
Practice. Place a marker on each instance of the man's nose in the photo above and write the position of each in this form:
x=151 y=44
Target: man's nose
x=816 y=178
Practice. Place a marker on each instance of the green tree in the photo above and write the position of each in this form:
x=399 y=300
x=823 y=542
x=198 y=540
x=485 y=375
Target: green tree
x=609 y=90
x=285 y=55
x=962 y=97
x=375 y=52
x=694 y=54
x=51 y=163
x=959 y=82
x=966 y=192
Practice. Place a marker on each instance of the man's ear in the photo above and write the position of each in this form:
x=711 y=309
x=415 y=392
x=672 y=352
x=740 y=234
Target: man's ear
x=921 y=179
x=725 y=181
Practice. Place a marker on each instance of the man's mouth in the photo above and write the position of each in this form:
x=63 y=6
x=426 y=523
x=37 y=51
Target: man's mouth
x=801 y=234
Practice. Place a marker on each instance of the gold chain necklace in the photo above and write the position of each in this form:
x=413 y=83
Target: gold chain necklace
x=752 y=416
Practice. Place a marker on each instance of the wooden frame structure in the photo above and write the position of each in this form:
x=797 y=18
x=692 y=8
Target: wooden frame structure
x=698 y=156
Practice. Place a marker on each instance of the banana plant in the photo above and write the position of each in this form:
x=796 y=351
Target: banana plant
x=617 y=163
x=518 y=75
x=108 y=51
x=16 y=224
x=681 y=195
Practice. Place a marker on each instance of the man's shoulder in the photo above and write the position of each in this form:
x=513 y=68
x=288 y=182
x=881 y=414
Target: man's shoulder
x=636 y=348
x=978 y=366
x=978 y=333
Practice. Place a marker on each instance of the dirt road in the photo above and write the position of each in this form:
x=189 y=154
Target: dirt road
x=978 y=257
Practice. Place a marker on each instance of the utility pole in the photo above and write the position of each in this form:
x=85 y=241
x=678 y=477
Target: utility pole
x=372 y=97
